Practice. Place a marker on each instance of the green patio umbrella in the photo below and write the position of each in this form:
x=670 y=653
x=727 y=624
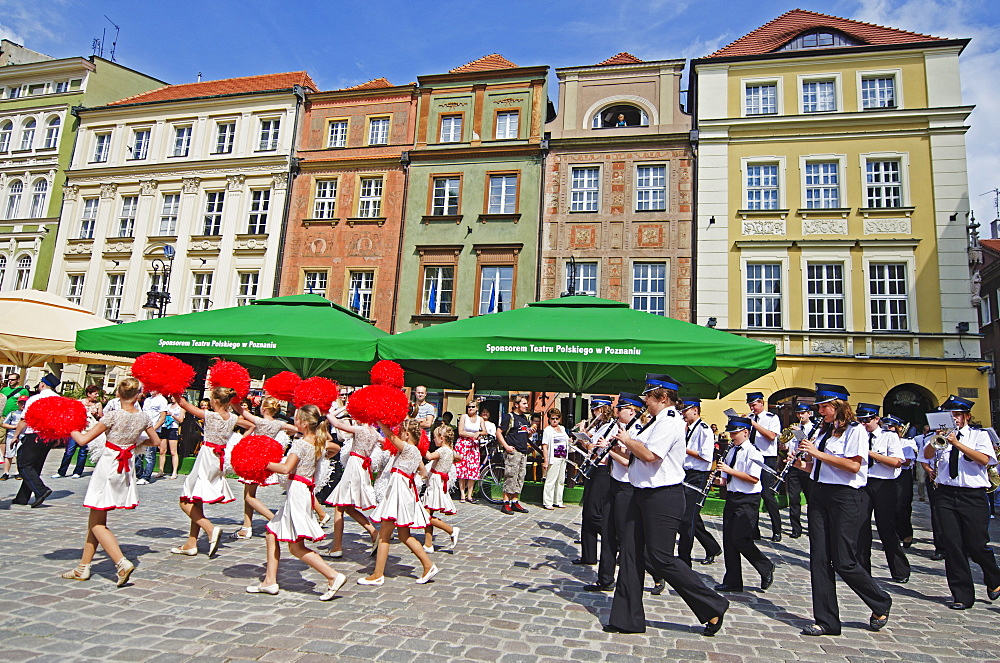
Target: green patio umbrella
x=580 y=344
x=307 y=334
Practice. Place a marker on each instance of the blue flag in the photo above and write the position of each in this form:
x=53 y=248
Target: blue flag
x=432 y=299
x=356 y=299
x=493 y=299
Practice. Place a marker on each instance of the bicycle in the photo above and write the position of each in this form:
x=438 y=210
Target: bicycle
x=491 y=468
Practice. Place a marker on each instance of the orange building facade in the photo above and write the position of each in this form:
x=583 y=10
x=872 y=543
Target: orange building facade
x=345 y=212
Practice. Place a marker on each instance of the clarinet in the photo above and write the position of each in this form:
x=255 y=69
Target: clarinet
x=713 y=475
x=594 y=460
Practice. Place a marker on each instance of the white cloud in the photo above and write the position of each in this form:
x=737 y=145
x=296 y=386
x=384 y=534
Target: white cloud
x=979 y=64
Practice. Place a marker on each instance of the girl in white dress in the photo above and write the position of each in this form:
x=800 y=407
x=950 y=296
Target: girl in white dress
x=436 y=497
x=401 y=509
x=112 y=485
x=354 y=493
x=273 y=428
x=206 y=484
x=294 y=522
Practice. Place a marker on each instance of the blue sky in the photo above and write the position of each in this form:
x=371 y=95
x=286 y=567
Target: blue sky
x=345 y=42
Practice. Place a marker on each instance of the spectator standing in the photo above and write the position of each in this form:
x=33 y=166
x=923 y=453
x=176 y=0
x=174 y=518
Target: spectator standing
x=555 y=449
x=513 y=434
x=12 y=391
x=426 y=413
x=470 y=429
x=31 y=455
x=168 y=435
x=155 y=406
x=9 y=424
x=95 y=410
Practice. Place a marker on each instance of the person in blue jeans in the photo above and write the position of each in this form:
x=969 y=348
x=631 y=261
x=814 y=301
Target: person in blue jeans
x=155 y=406
x=92 y=402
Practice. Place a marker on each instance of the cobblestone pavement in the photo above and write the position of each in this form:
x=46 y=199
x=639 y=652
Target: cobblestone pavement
x=509 y=594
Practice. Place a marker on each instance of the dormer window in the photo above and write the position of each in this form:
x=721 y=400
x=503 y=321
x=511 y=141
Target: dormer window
x=621 y=115
x=819 y=39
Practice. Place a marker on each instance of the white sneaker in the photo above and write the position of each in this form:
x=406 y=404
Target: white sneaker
x=427 y=576
x=263 y=589
x=76 y=476
x=454 y=538
x=333 y=587
x=142 y=482
x=57 y=476
x=428 y=549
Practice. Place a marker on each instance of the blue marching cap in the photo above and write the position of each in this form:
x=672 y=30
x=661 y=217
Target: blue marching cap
x=626 y=398
x=598 y=401
x=755 y=396
x=738 y=423
x=956 y=404
x=51 y=380
x=892 y=420
x=803 y=407
x=866 y=411
x=654 y=380
x=689 y=403
x=830 y=392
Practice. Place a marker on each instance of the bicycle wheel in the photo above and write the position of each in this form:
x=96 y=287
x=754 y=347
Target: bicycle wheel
x=491 y=472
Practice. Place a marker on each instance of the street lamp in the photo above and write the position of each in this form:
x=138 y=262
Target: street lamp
x=159 y=294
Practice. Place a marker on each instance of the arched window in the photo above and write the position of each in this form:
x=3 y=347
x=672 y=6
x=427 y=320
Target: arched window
x=621 y=115
x=28 y=135
x=22 y=277
x=52 y=132
x=38 y=191
x=3 y=269
x=6 y=129
x=14 y=191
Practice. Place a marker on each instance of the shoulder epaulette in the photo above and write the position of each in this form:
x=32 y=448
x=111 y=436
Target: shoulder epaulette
x=853 y=423
x=671 y=413
x=704 y=425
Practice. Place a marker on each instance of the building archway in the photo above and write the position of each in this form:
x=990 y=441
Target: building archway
x=783 y=402
x=910 y=402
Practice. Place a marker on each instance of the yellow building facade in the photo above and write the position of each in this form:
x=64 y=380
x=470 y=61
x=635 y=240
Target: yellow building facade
x=831 y=211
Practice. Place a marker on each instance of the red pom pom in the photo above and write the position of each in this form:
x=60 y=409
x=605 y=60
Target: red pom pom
x=159 y=372
x=282 y=386
x=232 y=375
x=316 y=391
x=425 y=442
x=251 y=455
x=378 y=403
x=55 y=417
x=388 y=373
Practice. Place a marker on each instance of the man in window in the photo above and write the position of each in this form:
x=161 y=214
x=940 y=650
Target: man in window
x=514 y=432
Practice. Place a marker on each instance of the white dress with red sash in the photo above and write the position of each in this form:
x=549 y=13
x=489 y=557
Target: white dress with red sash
x=402 y=502
x=355 y=487
x=436 y=497
x=294 y=521
x=207 y=482
x=112 y=485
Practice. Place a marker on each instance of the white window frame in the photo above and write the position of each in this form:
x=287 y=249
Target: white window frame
x=828 y=299
x=182 y=140
x=838 y=91
x=439 y=280
x=840 y=160
x=22 y=272
x=74 y=287
x=365 y=288
x=897 y=87
x=167 y=221
x=505 y=197
x=325 y=198
x=370 y=204
x=450 y=189
x=102 y=146
x=52 y=132
x=372 y=134
x=765 y=160
x=453 y=134
x=779 y=95
x=215 y=203
x=126 y=216
x=757 y=256
x=827 y=255
x=507 y=132
x=486 y=289
x=140 y=149
x=6 y=134
x=260 y=209
x=586 y=191
x=61 y=87
x=27 y=141
x=38 y=198
x=315 y=282
x=225 y=139
x=583 y=280
x=641 y=189
x=987 y=310
x=635 y=294
x=248 y=285
x=12 y=204
x=270 y=129
x=884 y=256
x=904 y=174
x=88 y=217
x=113 y=296
x=341 y=137
x=201 y=291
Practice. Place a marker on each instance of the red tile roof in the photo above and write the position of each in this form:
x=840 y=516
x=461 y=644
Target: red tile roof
x=371 y=85
x=485 y=63
x=775 y=34
x=621 y=58
x=264 y=83
x=992 y=244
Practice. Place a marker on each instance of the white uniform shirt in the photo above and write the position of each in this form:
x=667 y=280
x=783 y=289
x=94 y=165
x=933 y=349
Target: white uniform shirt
x=970 y=473
x=741 y=458
x=665 y=438
x=886 y=443
x=701 y=441
x=909 y=452
x=770 y=421
x=44 y=393
x=619 y=472
x=853 y=442
x=602 y=432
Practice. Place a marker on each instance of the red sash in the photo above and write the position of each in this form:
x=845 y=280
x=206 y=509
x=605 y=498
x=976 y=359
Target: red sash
x=301 y=479
x=220 y=451
x=413 y=483
x=124 y=455
x=444 y=479
x=366 y=463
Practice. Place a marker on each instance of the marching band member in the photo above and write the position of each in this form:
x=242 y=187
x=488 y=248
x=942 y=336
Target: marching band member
x=839 y=471
x=595 y=489
x=797 y=480
x=764 y=435
x=654 y=516
x=739 y=517
x=885 y=457
x=904 y=482
x=697 y=466
x=963 y=511
x=930 y=487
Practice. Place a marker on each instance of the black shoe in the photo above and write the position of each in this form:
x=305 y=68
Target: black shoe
x=19 y=503
x=579 y=561
x=4 y=477
x=907 y=544
x=767 y=579
x=516 y=506
x=608 y=628
x=795 y=535
x=506 y=509
x=596 y=587
x=776 y=537
x=728 y=588
x=994 y=594
x=902 y=580
x=876 y=623
x=658 y=587
x=711 y=629
x=709 y=559
x=959 y=606
x=937 y=556
x=41 y=498
x=816 y=629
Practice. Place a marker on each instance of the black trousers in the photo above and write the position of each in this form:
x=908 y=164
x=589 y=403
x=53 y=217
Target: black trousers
x=882 y=501
x=797 y=484
x=619 y=495
x=935 y=530
x=739 y=520
x=595 y=498
x=964 y=518
x=834 y=515
x=652 y=520
x=904 y=505
x=693 y=527
x=770 y=497
x=30 y=461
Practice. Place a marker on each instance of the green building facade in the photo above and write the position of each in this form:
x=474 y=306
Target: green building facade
x=470 y=235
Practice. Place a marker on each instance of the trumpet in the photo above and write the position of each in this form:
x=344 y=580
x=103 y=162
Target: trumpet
x=598 y=455
x=940 y=443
